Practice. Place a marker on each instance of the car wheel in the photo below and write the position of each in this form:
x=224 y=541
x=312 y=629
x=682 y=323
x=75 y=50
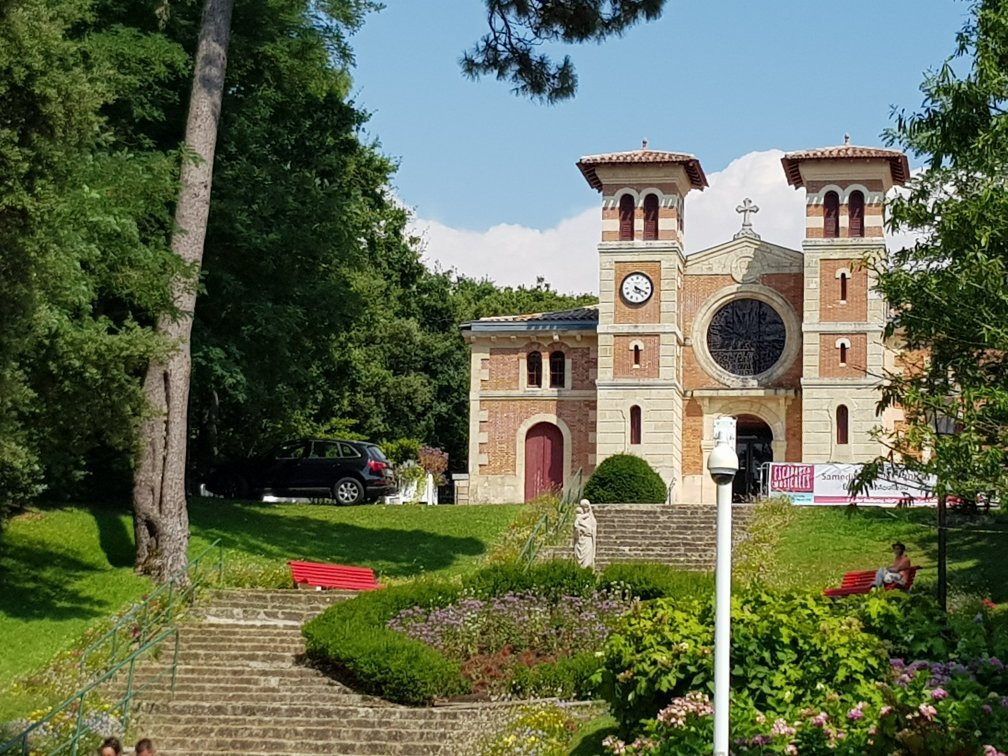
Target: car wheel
x=235 y=487
x=348 y=491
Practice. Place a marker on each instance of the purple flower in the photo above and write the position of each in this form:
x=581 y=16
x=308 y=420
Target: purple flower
x=855 y=713
x=986 y=709
x=938 y=694
x=896 y=663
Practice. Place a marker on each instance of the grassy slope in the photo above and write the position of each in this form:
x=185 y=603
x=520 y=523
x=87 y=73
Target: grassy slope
x=63 y=568
x=821 y=543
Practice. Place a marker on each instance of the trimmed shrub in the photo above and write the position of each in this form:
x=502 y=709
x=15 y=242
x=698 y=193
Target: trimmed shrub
x=567 y=678
x=649 y=580
x=549 y=579
x=625 y=479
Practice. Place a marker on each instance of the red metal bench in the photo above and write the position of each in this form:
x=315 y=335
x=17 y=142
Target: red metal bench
x=323 y=575
x=861 y=582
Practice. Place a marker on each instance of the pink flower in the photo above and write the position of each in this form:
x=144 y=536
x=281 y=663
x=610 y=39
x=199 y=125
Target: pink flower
x=938 y=694
x=855 y=713
x=791 y=748
x=885 y=710
x=928 y=711
x=820 y=719
x=990 y=750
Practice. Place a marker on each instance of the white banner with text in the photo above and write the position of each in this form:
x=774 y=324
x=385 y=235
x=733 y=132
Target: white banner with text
x=827 y=484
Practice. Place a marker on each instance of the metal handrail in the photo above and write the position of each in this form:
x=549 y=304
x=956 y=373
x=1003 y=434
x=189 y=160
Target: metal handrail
x=146 y=624
x=146 y=617
x=77 y=700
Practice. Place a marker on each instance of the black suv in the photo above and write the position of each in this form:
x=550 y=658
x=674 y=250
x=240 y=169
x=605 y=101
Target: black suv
x=347 y=471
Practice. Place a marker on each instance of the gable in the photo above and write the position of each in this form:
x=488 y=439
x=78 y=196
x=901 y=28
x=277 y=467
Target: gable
x=745 y=259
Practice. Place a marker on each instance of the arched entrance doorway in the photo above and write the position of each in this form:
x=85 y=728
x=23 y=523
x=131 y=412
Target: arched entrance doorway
x=544 y=454
x=752 y=444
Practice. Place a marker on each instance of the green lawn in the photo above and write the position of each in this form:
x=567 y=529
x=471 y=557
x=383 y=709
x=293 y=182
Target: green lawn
x=819 y=544
x=64 y=568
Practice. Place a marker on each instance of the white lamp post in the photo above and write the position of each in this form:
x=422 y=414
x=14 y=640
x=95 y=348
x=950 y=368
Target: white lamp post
x=722 y=464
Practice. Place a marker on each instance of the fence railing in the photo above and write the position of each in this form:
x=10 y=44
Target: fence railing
x=155 y=611
x=550 y=524
x=140 y=632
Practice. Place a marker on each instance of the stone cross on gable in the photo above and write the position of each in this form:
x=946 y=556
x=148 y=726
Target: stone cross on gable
x=746 y=209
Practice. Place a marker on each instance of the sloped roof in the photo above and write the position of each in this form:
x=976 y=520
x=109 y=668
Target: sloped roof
x=589 y=163
x=577 y=318
x=897 y=160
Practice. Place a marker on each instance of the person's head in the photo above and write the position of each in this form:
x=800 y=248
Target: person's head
x=144 y=747
x=110 y=747
x=898 y=548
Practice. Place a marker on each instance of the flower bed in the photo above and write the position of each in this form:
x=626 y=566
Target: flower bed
x=502 y=631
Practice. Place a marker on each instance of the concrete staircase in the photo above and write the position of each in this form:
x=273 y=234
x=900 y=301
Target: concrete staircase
x=244 y=687
x=677 y=534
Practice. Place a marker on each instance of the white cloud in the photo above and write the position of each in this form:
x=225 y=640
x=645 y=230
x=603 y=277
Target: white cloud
x=566 y=254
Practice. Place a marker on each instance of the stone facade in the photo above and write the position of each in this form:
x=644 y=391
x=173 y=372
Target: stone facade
x=789 y=341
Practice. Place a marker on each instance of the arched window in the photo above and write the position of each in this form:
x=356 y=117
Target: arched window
x=831 y=215
x=841 y=424
x=557 y=370
x=855 y=214
x=626 y=214
x=534 y=364
x=843 y=353
x=635 y=425
x=843 y=287
x=650 y=218
x=636 y=355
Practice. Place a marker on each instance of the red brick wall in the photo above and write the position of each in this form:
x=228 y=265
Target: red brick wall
x=829 y=355
x=623 y=357
x=504 y=416
x=504 y=364
x=692 y=453
x=831 y=309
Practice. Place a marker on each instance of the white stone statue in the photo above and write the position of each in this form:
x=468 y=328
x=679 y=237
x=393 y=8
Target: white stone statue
x=585 y=527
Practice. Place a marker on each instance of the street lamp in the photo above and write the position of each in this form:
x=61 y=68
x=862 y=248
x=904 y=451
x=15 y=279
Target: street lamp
x=722 y=464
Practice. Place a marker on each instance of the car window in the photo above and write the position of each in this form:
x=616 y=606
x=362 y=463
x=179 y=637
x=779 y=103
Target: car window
x=290 y=451
x=349 y=451
x=376 y=453
x=325 y=450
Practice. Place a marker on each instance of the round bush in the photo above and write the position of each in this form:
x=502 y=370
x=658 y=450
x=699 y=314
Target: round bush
x=625 y=479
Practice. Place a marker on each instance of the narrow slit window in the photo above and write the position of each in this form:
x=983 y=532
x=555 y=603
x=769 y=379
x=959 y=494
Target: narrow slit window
x=842 y=421
x=635 y=425
x=843 y=353
x=843 y=287
x=831 y=215
x=557 y=371
x=626 y=218
x=636 y=355
x=534 y=364
x=651 y=218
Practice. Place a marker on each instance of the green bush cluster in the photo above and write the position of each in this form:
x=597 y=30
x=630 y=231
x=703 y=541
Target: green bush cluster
x=354 y=637
x=809 y=675
x=650 y=580
x=625 y=479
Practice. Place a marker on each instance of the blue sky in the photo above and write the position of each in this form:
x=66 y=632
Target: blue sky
x=731 y=82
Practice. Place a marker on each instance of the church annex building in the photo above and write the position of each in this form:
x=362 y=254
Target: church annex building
x=788 y=341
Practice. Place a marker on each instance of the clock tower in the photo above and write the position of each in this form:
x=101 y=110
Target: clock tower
x=640 y=335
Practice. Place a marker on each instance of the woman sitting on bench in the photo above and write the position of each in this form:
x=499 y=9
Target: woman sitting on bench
x=898 y=572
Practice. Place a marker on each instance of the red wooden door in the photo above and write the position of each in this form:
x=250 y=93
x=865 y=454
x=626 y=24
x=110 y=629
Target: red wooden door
x=543 y=460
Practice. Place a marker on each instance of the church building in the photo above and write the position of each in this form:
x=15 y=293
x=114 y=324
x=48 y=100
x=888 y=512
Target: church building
x=788 y=341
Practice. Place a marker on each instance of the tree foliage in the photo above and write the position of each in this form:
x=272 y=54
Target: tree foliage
x=510 y=51
x=948 y=293
x=83 y=224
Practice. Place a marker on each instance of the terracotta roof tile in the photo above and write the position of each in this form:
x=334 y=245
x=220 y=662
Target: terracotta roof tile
x=897 y=160
x=588 y=164
x=589 y=312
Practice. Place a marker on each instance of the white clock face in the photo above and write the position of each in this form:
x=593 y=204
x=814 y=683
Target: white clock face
x=636 y=288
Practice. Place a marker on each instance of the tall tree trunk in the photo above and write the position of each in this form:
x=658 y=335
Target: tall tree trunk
x=160 y=519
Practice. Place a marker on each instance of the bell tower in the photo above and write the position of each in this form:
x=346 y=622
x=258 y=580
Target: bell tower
x=640 y=339
x=842 y=347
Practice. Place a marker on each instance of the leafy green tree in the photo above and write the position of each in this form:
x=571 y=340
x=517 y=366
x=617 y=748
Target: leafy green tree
x=85 y=259
x=518 y=28
x=948 y=293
